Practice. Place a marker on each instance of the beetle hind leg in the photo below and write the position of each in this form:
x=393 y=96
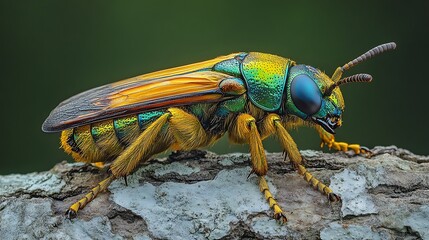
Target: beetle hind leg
x=73 y=209
x=140 y=150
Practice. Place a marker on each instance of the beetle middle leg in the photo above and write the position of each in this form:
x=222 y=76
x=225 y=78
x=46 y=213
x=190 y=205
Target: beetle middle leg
x=272 y=123
x=328 y=139
x=189 y=134
x=244 y=130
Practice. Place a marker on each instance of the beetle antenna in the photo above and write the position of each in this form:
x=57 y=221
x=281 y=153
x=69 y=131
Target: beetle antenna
x=369 y=54
x=361 y=77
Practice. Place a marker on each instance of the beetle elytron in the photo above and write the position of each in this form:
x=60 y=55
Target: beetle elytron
x=249 y=95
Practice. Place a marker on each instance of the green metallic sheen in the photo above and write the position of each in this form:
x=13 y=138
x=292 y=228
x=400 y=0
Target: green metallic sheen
x=148 y=117
x=199 y=110
x=327 y=107
x=234 y=105
x=330 y=106
x=122 y=126
x=101 y=129
x=315 y=74
x=265 y=76
x=230 y=67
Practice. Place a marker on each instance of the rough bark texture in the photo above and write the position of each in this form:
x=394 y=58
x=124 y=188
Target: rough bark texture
x=199 y=195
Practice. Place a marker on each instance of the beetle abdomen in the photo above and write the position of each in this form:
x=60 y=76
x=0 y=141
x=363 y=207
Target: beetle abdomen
x=105 y=140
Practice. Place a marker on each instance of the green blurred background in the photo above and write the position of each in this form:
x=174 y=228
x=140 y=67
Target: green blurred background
x=51 y=50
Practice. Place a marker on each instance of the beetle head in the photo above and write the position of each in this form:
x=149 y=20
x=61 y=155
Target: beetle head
x=313 y=96
x=306 y=98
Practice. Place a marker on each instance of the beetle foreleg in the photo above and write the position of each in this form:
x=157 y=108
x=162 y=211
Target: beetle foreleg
x=272 y=124
x=274 y=121
x=329 y=140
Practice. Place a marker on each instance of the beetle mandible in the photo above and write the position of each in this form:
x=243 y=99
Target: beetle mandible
x=250 y=96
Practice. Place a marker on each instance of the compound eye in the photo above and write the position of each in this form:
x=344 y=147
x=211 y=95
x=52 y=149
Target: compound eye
x=305 y=94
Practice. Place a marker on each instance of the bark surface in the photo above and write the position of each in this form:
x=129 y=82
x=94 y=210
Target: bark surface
x=201 y=195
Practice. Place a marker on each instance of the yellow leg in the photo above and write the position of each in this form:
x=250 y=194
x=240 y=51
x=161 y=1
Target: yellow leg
x=72 y=211
x=187 y=130
x=184 y=130
x=316 y=184
x=278 y=212
x=244 y=130
x=141 y=149
x=183 y=127
x=273 y=122
x=99 y=165
x=329 y=140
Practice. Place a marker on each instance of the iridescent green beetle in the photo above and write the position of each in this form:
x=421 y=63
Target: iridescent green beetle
x=249 y=95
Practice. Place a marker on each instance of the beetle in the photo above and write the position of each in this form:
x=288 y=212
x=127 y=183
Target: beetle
x=249 y=95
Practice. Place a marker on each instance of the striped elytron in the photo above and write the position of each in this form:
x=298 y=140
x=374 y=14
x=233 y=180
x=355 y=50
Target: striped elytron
x=249 y=95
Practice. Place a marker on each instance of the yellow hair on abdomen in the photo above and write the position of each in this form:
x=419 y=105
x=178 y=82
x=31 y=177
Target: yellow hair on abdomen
x=105 y=138
x=64 y=139
x=85 y=142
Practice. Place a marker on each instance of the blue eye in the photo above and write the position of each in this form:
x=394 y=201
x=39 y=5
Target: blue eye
x=305 y=94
